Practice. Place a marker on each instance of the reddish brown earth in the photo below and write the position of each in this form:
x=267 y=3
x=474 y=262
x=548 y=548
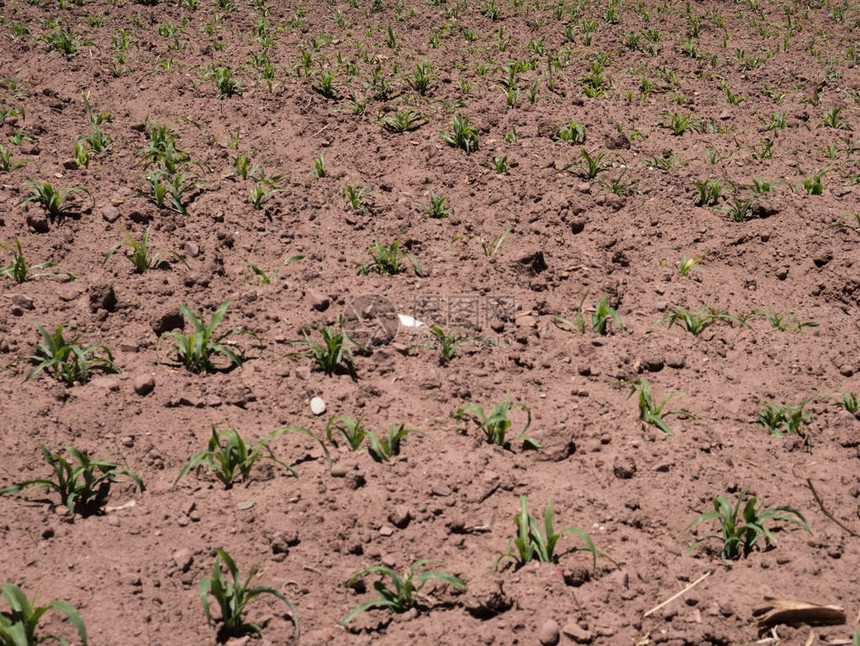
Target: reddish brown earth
x=449 y=496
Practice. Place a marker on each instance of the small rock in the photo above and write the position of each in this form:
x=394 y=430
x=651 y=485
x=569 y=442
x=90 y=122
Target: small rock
x=577 y=633
x=385 y=530
x=440 y=489
x=102 y=297
x=183 y=558
x=144 y=384
x=549 y=633
x=822 y=258
x=107 y=383
x=725 y=115
x=319 y=301
x=400 y=516
x=317 y=406
x=676 y=360
x=577 y=576
x=653 y=364
x=846 y=370
x=341 y=469
x=127 y=441
x=70 y=164
x=171 y=320
x=110 y=213
x=577 y=225
x=624 y=468
x=25 y=302
x=191 y=249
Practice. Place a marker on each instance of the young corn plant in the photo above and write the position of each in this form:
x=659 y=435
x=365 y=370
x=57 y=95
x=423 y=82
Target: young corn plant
x=404 y=121
x=66 y=361
x=263 y=278
x=434 y=206
x=679 y=124
x=18 y=624
x=233 y=596
x=496 y=425
x=388 y=261
x=83 y=487
x=53 y=200
x=784 y=420
x=355 y=196
x=352 y=431
x=462 y=135
x=231 y=459
x=849 y=402
x=447 y=342
x=532 y=544
x=685 y=265
x=602 y=315
x=330 y=356
x=384 y=447
x=572 y=133
x=139 y=257
x=782 y=322
x=708 y=192
x=651 y=412
x=225 y=83
x=590 y=166
x=7 y=163
x=489 y=247
x=741 y=530
x=694 y=322
x=578 y=322
x=197 y=350
x=403 y=595
x=18 y=269
x=319 y=169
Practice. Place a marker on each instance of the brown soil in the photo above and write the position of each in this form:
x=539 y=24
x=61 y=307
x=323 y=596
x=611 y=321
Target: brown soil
x=449 y=496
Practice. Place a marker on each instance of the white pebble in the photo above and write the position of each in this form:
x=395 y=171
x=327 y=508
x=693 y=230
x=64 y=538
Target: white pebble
x=317 y=406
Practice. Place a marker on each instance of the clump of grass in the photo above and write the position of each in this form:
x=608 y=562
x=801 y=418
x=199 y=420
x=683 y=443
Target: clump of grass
x=462 y=135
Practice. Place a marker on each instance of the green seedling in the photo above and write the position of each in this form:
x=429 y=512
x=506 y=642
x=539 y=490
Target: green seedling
x=52 y=200
x=709 y=192
x=532 y=544
x=7 y=163
x=830 y=119
x=447 y=342
x=421 y=79
x=83 y=487
x=435 y=206
x=225 y=83
x=233 y=596
x=591 y=166
x=165 y=190
x=66 y=361
x=139 y=250
x=781 y=322
x=652 y=413
x=601 y=316
x=233 y=459
x=572 y=133
x=352 y=431
x=197 y=350
x=849 y=403
x=18 y=625
x=495 y=426
x=617 y=185
x=812 y=185
x=784 y=420
x=666 y=161
x=500 y=163
x=263 y=278
x=403 y=596
x=696 y=323
x=740 y=209
x=578 y=322
x=740 y=534
x=319 y=169
x=678 y=124
x=490 y=247
x=355 y=196
x=387 y=261
x=18 y=269
x=462 y=135
x=331 y=353
x=404 y=121
x=259 y=195
x=686 y=264
x=385 y=447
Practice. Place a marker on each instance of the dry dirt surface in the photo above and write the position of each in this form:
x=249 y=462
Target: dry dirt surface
x=642 y=243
